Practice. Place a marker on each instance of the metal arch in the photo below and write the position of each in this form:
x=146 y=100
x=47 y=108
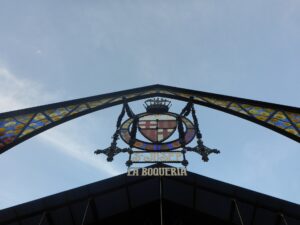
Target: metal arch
x=20 y=125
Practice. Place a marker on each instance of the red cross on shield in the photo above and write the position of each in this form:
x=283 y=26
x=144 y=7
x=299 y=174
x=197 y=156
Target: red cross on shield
x=157 y=127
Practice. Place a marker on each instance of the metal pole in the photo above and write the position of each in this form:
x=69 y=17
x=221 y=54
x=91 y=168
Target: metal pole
x=42 y=218
x=238 y=211
x=283 y=219
x=85 y=212
x=161 y=205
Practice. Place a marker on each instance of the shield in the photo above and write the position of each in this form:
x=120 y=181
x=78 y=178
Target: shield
x=157 y=127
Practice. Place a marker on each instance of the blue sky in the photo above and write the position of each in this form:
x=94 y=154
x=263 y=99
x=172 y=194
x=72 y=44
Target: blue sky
x=53 y=51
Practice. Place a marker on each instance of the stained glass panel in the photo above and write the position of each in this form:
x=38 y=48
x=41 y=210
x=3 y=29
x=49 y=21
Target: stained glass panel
x=94 y=104
x=21 y=124
x=56 y=114
x=80 y=108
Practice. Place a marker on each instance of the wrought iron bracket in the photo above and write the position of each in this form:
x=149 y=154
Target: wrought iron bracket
x=111 y=151
x=203 y=151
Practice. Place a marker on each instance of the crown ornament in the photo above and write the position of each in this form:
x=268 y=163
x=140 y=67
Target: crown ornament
x=157 y=105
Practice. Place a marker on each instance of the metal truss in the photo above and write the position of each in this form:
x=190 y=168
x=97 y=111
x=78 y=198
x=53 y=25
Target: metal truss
x=20 y=125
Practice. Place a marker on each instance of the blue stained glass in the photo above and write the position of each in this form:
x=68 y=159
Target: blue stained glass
x=170 y=145
x=36 y=124
x=7 y=135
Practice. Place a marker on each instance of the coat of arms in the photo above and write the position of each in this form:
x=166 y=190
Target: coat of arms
x=158 y=128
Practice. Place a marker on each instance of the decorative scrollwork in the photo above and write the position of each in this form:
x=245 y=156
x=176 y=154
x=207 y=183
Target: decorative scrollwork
x=159 y=108
x=203 y=151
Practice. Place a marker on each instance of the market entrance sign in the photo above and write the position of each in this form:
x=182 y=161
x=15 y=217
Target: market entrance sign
x=163 y=138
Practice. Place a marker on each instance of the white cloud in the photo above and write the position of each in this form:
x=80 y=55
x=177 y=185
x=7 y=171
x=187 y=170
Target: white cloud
x=77 y=150
x=21 y=93
x=38 y=51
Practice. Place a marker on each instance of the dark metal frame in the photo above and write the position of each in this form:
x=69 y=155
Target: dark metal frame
x=140 y=95
x=235 y=200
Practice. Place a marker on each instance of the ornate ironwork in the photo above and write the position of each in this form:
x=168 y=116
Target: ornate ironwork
x=157 y=125
x=20 y=125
